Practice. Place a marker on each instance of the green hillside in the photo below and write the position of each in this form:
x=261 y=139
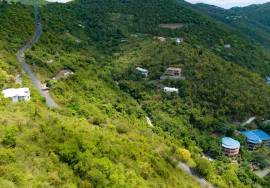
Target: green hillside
x=110 y=147
x=99 y=137
x=253 y=21
x=197 y=30
x=29 y=2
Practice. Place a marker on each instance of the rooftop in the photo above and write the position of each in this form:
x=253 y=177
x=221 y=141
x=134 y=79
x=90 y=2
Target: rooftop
x=141 y=69
x=268 y=79
x=262 y=135
x=256 y=136
x=230 y=143
x=170 y=89
x=12 y=92
x=174 y=69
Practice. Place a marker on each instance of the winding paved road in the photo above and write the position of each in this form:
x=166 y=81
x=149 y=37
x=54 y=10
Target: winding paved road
x=27 y=69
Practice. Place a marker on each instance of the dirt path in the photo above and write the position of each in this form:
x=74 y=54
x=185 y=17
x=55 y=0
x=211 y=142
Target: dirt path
x=149 y=122
x=204 y=183
x=27 y=69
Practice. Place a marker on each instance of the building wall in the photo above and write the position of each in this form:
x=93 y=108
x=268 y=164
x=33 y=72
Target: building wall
x=230 y=152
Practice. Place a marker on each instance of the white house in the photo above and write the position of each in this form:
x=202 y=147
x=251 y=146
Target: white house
x=142 y=71
x=19 y=94
x=179 y=41
x=170 y=90
x=227 y=46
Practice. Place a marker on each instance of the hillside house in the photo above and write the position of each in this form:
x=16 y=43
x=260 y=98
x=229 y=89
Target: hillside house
x=230 y=147
x=169 y=90
x=255 y=138
x=134 y=35
x=172 y=73
x=161 y=39
x=179 y=41
x=50 y=61
x=227 y=46
x=19 y=94
x=82 y=26
x=141 y=71
x=268 y=80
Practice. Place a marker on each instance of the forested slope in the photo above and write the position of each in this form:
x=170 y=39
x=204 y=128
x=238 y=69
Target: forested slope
x=99 y=137
x=252 y=21
x=58 y=148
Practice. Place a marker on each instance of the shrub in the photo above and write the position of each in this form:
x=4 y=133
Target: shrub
x=7 y=156
x=98 y=121
x=122 y=129
x=184 y=155
x=9 y=139
x=204 y=167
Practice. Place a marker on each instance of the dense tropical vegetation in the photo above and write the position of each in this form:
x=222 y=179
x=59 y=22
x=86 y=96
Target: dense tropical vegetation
x=99 y=137
x=252 y=21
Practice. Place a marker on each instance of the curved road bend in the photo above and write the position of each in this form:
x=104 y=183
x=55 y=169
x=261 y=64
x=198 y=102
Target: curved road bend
x=21 y=58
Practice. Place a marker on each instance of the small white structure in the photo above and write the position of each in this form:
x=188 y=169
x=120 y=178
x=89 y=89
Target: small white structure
x=78 y=41
x=227 y=46
x=50 y=61
x=161 y=39
x=179 y=41
x=134 y=35
x=142 y=71
x=124 y=40
x=68 y=73
x=82 y=26
x=170 y=90
x=20 y=94
x=268 y=80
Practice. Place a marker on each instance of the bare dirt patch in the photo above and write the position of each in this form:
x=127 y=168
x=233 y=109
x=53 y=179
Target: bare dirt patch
x=172 y=25
x=65 y=73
